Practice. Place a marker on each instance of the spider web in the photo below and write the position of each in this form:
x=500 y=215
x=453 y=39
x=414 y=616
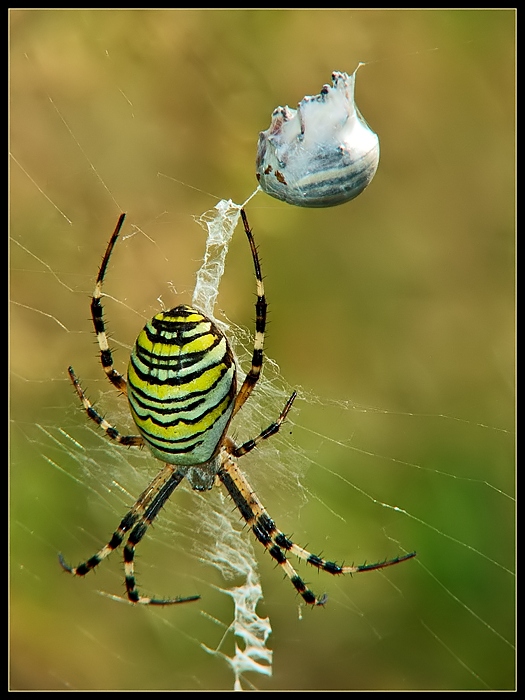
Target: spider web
x=231 y=556
x=402 y=434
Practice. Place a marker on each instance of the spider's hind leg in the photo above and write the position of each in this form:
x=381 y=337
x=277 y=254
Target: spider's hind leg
x=97 y=315
x=253 y=375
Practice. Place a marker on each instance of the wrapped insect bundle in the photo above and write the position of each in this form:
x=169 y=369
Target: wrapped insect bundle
x=321 y=154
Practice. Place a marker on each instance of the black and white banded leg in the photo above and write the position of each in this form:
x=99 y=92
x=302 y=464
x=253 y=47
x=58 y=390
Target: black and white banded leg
x=275 y=541
x=133 y=527
x=110 y=430
x=97 y=314
x=254 y=373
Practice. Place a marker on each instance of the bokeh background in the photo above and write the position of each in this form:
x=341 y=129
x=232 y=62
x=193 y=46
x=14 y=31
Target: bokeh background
x=393 y=314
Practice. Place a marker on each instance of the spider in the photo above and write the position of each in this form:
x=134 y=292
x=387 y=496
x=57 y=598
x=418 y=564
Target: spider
x=182 y=392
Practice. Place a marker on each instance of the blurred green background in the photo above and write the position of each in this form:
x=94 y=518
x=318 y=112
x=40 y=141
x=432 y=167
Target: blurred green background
x=400 y=302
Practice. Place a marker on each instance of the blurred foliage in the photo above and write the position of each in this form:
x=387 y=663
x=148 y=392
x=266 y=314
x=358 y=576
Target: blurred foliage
x=401 y=301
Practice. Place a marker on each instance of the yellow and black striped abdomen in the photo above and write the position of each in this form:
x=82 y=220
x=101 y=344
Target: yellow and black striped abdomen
x=181 y=386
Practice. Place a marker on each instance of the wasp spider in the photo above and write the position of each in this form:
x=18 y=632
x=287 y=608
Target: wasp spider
x=182 y=393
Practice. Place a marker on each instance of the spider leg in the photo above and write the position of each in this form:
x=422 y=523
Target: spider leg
x=261 y=524
x=162 y=493
x=136 y=523
x=260 y=325
x=111 y=432
x=275 y=541
x=249 y=445
x=97 y=315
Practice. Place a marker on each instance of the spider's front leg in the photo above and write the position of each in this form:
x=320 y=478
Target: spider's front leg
x=277 y=543
x=264 y=528
x=262 y=525
x=136 y=523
